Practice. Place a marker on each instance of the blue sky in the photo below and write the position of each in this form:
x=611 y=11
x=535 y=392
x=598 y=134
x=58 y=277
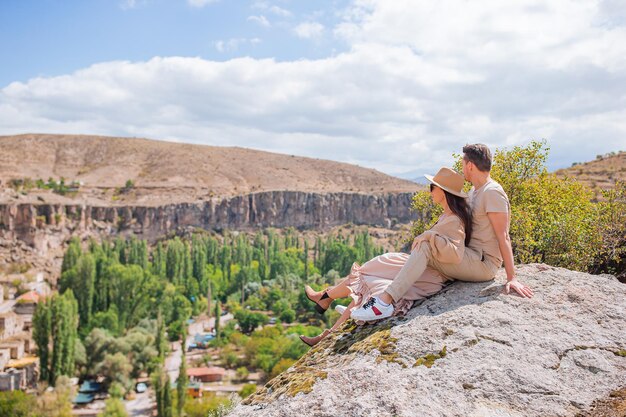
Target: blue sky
x=393 y=85
x=50 y=38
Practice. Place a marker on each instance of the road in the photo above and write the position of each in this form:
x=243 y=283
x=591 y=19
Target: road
x=172 y=362
x=141 y=405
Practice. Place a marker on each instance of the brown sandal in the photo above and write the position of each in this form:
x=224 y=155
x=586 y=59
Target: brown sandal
x=321 y=302
x=312 y=341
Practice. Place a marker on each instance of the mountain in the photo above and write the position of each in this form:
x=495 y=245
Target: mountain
x=601 y=173
x=166 y=172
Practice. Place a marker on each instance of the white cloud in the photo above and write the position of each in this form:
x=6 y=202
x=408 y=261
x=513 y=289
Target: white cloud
x=200 y=3
x=131 y=4
x=233 y=44
x=416 y=83
x=309 y=30
x=278 y=11
x=261 y=20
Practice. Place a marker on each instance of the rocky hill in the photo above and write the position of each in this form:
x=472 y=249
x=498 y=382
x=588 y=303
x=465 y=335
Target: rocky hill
x=601 y=173
x=177 y=188
x=167 y=172
x=471 y=351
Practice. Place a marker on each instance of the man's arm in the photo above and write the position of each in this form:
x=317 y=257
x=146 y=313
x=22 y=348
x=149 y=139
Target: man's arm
x=499 y=221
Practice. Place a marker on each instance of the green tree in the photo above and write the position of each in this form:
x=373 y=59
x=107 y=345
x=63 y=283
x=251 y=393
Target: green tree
x=161 y=384
x=84 y=287
x=42 y=328
x=248 y=321
x=63 y=334
x=73 y=252
x=218 y=313
x=181 y=383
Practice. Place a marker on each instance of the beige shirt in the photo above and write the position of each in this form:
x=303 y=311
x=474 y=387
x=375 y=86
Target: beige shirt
x=447 y=239
x=490 y=198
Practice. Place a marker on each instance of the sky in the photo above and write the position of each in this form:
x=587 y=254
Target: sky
x=398 y=86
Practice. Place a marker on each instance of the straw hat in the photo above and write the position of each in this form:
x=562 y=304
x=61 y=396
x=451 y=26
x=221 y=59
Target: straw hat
x=449 y=180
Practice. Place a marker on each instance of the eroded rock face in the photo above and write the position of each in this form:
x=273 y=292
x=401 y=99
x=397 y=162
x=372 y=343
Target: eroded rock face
x=257 y=210
x=468 y=351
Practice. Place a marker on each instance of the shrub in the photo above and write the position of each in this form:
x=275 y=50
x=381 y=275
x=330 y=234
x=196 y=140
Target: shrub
x=247 y=390
x=281 y=366
x=242 y=373
x=553 y=220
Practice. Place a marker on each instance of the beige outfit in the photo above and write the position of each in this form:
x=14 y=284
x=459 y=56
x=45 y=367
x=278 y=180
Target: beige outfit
x=479 y=261
x=446 y=238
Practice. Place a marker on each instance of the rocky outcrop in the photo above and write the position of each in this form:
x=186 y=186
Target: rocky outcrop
x=263 y=209
x=470 y=350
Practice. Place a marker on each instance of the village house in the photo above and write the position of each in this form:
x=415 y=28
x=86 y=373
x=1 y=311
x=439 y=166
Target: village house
x=206 y=374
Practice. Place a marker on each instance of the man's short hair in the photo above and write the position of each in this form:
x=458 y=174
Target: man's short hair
x=478 y=154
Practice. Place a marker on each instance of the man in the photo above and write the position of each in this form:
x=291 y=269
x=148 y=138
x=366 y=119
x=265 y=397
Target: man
x=489 y=248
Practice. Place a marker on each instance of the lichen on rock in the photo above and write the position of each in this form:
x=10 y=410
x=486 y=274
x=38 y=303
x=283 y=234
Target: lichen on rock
x=476 y=351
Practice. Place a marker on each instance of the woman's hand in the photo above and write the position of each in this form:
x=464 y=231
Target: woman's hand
x=520 y=288
x=417 y=241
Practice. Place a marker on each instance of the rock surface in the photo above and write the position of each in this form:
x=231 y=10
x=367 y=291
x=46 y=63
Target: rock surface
x=470 y=350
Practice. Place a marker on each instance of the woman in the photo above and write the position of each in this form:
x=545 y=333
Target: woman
x=447 y=238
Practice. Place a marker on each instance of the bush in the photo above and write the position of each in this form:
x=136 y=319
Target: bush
x=281 y=366
x=288 y=316
x=553 y=220
x=247 y=390
x=242 y=373
x=16 y=404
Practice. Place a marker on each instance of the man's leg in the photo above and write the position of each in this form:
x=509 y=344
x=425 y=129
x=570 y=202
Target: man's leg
x=472 y=267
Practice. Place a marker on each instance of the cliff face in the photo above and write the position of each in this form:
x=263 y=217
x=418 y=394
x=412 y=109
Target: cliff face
x=27 y=222
x=470 y=351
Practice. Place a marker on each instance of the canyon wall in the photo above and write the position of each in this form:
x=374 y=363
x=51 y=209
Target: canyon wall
x=302 y=210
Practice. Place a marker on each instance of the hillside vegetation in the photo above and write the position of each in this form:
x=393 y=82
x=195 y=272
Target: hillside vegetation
x=599 y=174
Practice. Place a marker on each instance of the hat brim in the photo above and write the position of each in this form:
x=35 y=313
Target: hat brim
x=453 y=192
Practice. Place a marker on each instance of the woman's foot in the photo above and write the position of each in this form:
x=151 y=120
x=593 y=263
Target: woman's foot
x=320 y=298
x=312 y=341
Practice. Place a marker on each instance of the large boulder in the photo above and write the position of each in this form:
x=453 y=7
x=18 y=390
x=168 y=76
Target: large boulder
x=470 y=350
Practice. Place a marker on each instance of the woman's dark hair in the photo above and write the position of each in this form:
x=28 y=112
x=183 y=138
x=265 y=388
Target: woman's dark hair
x=459 y=206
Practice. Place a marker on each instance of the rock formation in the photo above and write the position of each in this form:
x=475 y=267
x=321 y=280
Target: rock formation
x=29 y=222
x=470 y=350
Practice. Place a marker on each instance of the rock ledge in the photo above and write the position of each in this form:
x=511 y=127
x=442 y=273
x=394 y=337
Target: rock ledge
x=469 y=351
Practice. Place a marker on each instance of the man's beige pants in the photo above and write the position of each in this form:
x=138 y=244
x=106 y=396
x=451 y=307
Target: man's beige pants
x=471 y=268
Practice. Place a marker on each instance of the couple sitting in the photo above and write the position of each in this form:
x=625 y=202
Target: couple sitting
x=469 y=242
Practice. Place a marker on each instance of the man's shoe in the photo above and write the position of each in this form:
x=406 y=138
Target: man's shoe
x=340 y=309
x=373 y=309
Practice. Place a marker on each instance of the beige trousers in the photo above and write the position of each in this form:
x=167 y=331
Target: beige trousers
x=471 y=268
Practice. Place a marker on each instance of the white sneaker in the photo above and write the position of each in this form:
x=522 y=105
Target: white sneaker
x=340 y=309
x=373 y=309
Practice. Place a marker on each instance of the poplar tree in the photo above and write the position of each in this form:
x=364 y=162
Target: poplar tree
x=71 y=255
x=218 y=313
x=159 y=341
x=84 y=287
x=181 y=383
x=63 y=333
x=41 y=335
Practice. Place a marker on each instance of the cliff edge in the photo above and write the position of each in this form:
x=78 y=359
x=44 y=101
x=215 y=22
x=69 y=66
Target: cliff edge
x=471 y=350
